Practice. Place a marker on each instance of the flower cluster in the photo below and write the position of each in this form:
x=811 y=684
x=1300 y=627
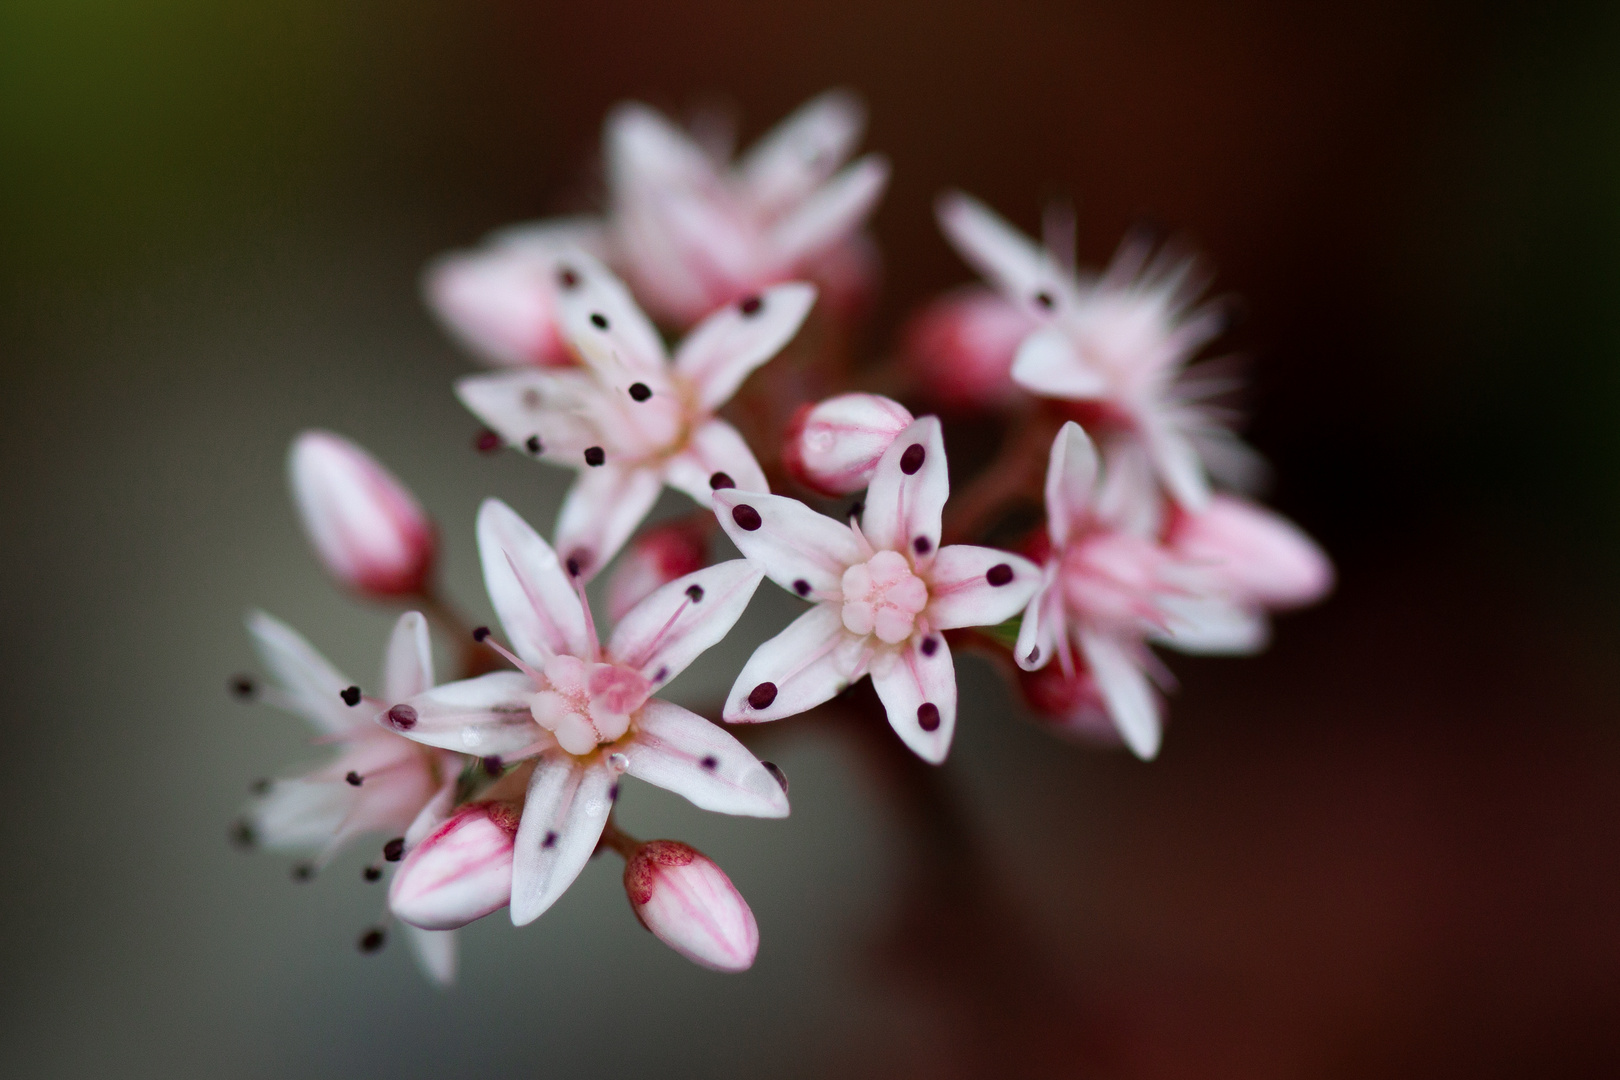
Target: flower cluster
x=496 y=789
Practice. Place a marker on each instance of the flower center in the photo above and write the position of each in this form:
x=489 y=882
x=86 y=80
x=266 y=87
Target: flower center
x=586 y=705
x=883 y=597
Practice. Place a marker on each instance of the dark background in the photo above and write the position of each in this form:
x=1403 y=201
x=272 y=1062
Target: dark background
x=1386 y=848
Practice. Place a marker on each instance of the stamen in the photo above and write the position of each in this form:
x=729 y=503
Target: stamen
x=244 y=687
x=550 y=841
x=1044 y=301
x=260 y=786
x=492 y=765
x=720 y=480
x=241 y=835
x=663 y=673
x=930 y=646
x=710 y=762
x=750 y=306
x=694 y=593
x=480 y=633
x=595 y=456
x=928 y=716
x=354 y=779
x=599 y=320
x=371 y=873
x=402 y=717
x=567 y=277
x=802 y=587
x=533 y=445
x=486 y=441
x=372 y=940
x=640 y=391
x=302 y=872
x=922 y=545
x=912 y=459
x=746 y=517
x=761 y=696
x=777 y=774
x=855 y=509
x=585 y=605
x=1034 y=654
x=394 y=850
x=351 y=696
x=999 y=574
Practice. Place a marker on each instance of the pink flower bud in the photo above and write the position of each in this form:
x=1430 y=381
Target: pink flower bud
x=366 y=526
x=462 y=871
x=659 y=556
x=500 y=302
x=960 y=348
x=1071 y=704
x=834 y=446
x=690 y=905
x=1262 y=557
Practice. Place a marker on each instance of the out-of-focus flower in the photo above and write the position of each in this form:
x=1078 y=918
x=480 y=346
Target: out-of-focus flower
x=1122 y=339
x=1262 y=558
x=960 y=348
x=883 y=589
x=631 y=420
x=378 y=782
x=657 y=557
x=587 y=713
x=690 y=904
x=834 y=447
x=461 y=871
x=1069 y=703
x=499 y=300
x=366 y=526
x=694 y=233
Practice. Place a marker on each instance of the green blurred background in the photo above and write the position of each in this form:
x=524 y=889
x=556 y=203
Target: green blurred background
x=1387 y=848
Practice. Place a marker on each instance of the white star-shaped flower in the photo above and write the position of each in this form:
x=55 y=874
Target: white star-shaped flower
x=884 y=591
x=632 y=420
x=587 y=711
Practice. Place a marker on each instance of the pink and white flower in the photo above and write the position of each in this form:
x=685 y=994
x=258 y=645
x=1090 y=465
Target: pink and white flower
x=834 y=446
x=1121 y=340
x=1111 y=585
x=462 y=870
x=586 y=712
x=378 y=782
x=689 y=904
x=366 y=526
x=499 y=300
x=694 y=233
x=631 y=420
x=884 y=592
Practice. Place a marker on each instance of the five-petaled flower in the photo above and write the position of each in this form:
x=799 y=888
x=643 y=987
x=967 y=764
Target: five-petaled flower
x=1112 y=584
x=693 y=233
x=1121 y=340
x=884 y=592
x=631 y=420
x=587 y=712
x=379 y=782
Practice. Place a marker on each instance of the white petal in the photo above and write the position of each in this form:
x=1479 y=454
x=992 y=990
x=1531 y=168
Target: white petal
x=1125 y=688
x=529 y=589
x=563 y=814
x=834 y=212
x=1048 y=364
x=1040 y=633
x=558 y=410
x=482 y=716
x=1212 y=625
x=301 y=813
x=498 y=302
x=728 y=345
x=312 y=686
x=435 y=952
x=601 y=510
x=601 y=318
x=714 y=452
x=438 y=808
x=664 y=633
x=919 y=690
x=803 y=150
x=682 y=752
x=903 y=508
x=810 y=662
x=408 y=665
x=1071 y=475
x=1177 y=463
x=1013 y=262
x=1256 y=553
x=960 y=592
x=799 y=549
x=643 y=148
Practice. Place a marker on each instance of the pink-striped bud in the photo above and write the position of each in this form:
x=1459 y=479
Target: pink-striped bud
x=960 y=348
x=690 y=905
x=834 y=446
x=500 y=302
x=1262 y=557
x=659 y=556
x=461 y=871
x=366 y=526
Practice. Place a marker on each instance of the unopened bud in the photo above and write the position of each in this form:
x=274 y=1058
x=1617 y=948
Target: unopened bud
x=500 y=302
x=835 y=446
x=366 y=526
x=961 y=347
x=1260 y=556
x=691 y=905
x=658 y=556
x=1072 y=704
x=461 y=871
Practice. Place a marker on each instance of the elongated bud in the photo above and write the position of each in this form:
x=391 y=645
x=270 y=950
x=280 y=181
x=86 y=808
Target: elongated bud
x=834 y=446
x=658 y=556
x=461 y=871
x=500 y=303
x=960 y=348
x=1262 y=557
x=690 y=905
x=366 y=526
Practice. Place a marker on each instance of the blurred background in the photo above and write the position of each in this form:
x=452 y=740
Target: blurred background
x=1386 y=848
